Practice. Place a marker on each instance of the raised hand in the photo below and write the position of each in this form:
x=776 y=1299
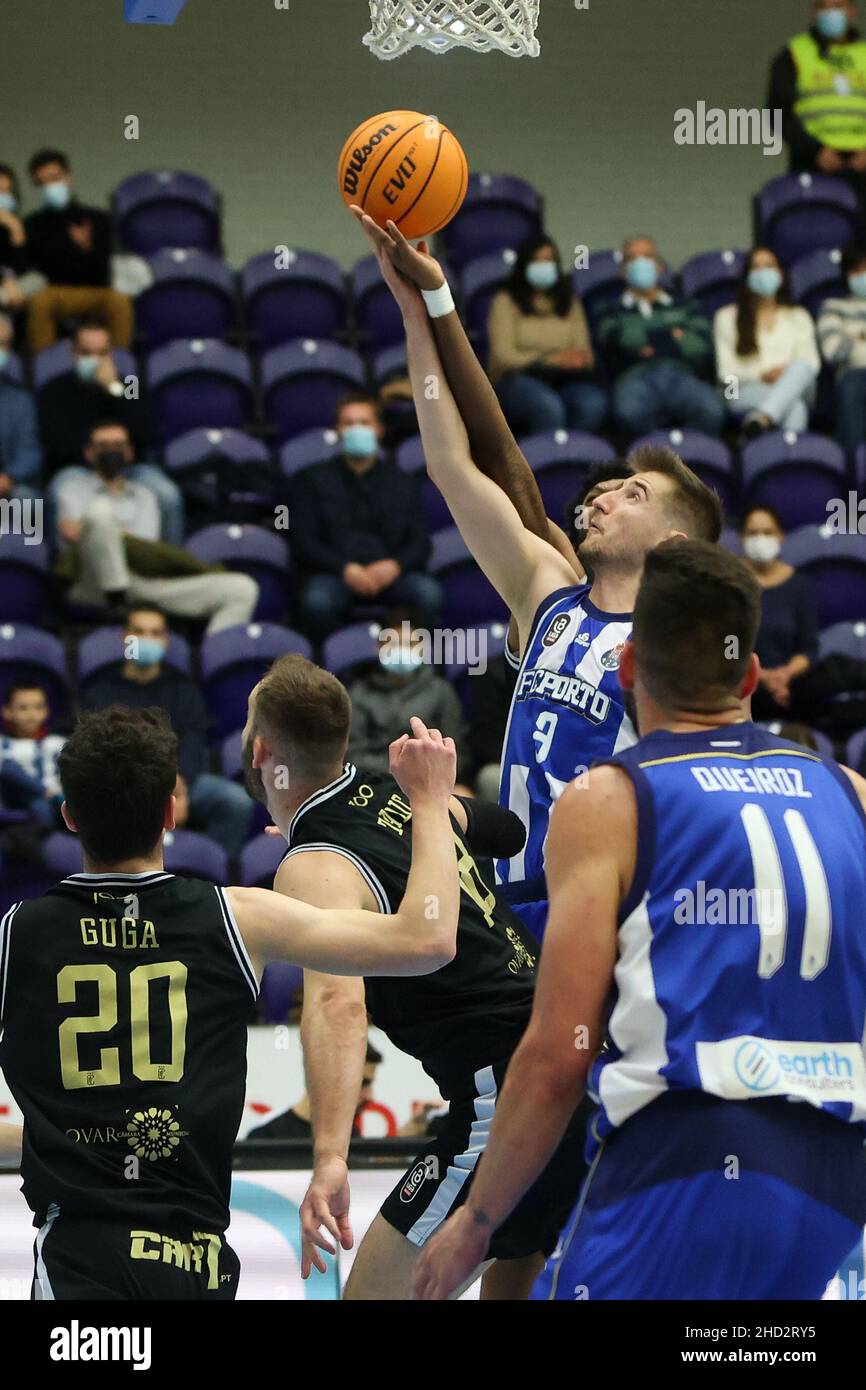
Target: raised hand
x=425 y=764
x=388 y=248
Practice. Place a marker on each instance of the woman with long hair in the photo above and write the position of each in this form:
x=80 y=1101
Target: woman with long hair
x=541 y=358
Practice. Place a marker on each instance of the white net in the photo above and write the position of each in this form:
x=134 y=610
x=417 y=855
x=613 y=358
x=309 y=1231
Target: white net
x=439 y=25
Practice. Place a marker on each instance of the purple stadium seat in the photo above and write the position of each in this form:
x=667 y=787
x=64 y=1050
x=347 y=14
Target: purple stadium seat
x=259 y=861
x=796 y=214
x=350 y=647
x=730 y=540
x=817 y=277
x=855 y=752
x=860 y=474
x=232 y=766
x=280 y=984
x=600 y=285
x=470 y=598
x=377 y=317
x=13 y=371
x=303 y=381
x=795 y=474
x=62 y=855
x=308 y=449
x=410 y=457
x=305 y=298
x=480 y=282
x=199 y=382
x=167 y=208
x=57 y=360
x=252 y=550
x=24 y=579
x=26 y=653
x=710 y=458
x=195 y=856
x=836 y=565
x=192 y=296
x=849 y=639
x=482 y=644
x=712 y=277
x=104 y=648
x=231 y=663
x=221 y=467
x=499 y=210
x=388 y=364
x=560 y=460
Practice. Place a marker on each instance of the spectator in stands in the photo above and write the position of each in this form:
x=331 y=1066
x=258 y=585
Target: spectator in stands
x=217 y=807
x=401 y=684
x=20 y=454
x=358 y=532
x=13 y=241
x=295 y=1123
x=766 y=350
x=818 y=82
x=788 y=637
x=70 y=244
x=541 y=358
x=28 y=755
x=655 y=347
x=100 y=511
x=842 y=335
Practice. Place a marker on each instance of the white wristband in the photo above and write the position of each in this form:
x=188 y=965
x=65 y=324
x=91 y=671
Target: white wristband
x=439 y=302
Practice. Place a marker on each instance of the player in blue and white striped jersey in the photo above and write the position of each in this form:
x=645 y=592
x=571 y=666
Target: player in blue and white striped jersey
x=568 y=709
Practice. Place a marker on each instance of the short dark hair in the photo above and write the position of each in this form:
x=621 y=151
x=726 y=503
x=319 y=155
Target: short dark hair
x=854 y=254
x=48 y=156
x=695 y=622
x=10 y=174
x=305 y=710
x=18 y=686
x=695 y=508
x=145 y=607
x=92 y=323
x=519 y=287
x=373 y=1057
x=359 y=398
x=108 y=424
x=118 y=770
x=760 y=507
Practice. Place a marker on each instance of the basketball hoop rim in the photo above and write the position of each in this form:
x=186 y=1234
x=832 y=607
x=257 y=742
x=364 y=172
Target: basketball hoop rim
x=505 y=26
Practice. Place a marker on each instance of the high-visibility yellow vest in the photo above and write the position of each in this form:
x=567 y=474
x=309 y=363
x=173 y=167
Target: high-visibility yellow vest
x=831 y=91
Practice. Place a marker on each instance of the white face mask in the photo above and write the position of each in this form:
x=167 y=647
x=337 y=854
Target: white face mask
x=762 y=549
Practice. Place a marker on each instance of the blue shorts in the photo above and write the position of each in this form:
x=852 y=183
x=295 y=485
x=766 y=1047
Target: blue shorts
x=533 y=916
x=700 y=1198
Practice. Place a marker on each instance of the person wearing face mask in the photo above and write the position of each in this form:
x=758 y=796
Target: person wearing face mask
x=656 y=347
x=818 y=82
x=400 y=684
x=787 y=641
x=842 y=336
x=13 y=241
x=112 y=550
x=358 y=529
x=541 y=358
x=20 y=453
x=70 y=244
x=767 y=358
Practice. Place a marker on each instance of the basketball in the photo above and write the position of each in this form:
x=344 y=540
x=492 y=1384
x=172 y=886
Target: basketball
x=405 y=166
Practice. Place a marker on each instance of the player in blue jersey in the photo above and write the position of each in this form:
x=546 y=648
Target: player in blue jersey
x=706 y=918
x=568 y=708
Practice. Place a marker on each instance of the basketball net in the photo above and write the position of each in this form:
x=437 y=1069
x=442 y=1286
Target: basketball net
x=439 y=25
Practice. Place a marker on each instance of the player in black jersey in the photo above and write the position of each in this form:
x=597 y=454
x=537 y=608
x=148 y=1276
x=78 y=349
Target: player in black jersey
x=125 y=994
x=350 y=837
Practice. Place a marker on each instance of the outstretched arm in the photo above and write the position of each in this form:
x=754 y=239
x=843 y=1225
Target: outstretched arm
x=421 y=936
x=590 y=857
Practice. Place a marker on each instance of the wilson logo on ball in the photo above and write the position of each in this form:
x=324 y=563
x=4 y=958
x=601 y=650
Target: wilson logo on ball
x=406 y=167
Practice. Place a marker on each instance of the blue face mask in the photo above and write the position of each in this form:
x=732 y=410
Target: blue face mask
x=146 y=651
x=542 y=275
x=8 y=202
x=400 y=663
x=765 y=281
x=4 y=358
x=831 y=24
x=56 y=194
x=857 y=284
x=87 y=367
x=642 y=273
x=359 y=441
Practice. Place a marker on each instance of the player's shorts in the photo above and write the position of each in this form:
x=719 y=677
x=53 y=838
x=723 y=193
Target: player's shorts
x=700 y=1198
x=80 y=1258
x=439 y=1180
x=533 y=915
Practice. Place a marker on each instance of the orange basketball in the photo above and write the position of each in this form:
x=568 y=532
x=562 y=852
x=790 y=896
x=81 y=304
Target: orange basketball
x=407 y=167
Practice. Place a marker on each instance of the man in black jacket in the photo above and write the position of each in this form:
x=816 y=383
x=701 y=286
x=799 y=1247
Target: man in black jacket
x=358 y=531
x=70 y=244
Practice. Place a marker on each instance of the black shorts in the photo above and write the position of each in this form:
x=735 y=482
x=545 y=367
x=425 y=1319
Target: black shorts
x=81 y=1258
x=438 y=1181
